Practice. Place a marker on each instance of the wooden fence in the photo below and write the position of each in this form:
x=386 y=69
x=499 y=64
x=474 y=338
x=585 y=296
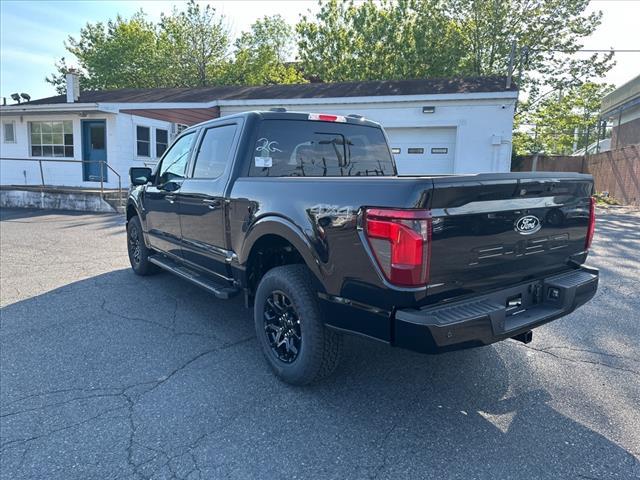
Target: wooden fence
x=616 y=171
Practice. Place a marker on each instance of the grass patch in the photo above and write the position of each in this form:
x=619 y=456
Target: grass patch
x=603 y=199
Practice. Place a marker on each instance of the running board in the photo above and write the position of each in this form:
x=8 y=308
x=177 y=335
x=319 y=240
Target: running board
x=218 y=289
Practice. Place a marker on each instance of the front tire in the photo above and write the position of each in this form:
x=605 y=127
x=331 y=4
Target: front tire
x=138 y=251
x=297 y=345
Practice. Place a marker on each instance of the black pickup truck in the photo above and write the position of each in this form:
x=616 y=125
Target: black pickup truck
x=306 y=216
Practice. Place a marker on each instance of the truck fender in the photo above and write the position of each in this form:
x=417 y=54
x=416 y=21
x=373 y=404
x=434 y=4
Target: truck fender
x=282 y=227
x=134 y=204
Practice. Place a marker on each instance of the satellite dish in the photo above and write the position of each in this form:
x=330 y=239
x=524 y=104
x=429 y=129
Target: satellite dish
x=15 y=97
x=26 y=96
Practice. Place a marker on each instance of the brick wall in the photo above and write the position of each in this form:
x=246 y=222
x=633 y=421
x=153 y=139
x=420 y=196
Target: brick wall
x=626 y=134
x=616 y=171
x=555 y=163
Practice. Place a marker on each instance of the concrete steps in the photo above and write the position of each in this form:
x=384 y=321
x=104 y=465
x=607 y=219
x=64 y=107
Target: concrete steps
x=117 y=200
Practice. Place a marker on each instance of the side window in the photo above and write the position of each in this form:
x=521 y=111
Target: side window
x=9 y=132
x=214 y=152
x=143 y=141
x=174 y=163
x=162 y=140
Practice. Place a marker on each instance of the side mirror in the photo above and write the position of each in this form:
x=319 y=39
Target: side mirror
x=140 y=175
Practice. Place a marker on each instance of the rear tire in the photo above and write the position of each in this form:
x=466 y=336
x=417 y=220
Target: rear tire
x=138 y=251
x=289 y=326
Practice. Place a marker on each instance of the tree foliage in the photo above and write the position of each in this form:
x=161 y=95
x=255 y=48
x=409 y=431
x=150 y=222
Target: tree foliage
x=561 y=122
x=377 y=41
x=119 y=54
x=261 y=55
x=187 y=48
x=418 y=39
x=547 y=34
x=195 y=45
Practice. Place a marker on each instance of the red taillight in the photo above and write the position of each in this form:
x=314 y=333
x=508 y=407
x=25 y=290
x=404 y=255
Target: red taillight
x=592 y=223
x=401 y=244
x=324 y=117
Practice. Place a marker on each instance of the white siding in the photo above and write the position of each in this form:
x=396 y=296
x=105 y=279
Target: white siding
x=120 y=142
x=126 y=149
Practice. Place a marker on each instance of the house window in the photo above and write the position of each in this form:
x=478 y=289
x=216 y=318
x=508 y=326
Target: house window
x=9 y=132
x=396 y=150
x=162 y=140
x=143 y=141
x=415 y=150
x=439 y=150
x=51 y=139
x=181 y=127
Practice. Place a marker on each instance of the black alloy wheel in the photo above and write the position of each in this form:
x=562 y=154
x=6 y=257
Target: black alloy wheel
x=282 y=327
x=290 y=327
x=139 y=253
x=135 y=252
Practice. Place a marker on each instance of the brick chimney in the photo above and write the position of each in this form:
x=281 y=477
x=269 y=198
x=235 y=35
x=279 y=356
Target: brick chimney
x=73 y=86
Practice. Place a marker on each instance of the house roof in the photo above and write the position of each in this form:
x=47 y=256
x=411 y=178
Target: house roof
x=622 y=97
x=292 y=91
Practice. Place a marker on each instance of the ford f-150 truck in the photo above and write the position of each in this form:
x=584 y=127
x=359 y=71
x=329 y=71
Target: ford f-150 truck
x=305 y=215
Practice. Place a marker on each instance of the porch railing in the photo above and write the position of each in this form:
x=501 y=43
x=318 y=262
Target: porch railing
x=103 y=164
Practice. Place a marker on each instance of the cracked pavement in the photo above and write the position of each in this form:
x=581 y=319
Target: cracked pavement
x=106 y=375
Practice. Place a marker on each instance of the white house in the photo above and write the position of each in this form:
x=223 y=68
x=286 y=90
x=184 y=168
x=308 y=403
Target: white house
x=435 y=126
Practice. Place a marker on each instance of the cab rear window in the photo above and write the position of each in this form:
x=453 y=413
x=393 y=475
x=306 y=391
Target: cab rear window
x=298 y=148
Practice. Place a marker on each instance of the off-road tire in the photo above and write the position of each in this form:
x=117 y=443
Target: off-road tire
x=320 y=349
x=139 y=259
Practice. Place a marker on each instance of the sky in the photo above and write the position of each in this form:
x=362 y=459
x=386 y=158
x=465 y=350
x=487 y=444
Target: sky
x=32 y=33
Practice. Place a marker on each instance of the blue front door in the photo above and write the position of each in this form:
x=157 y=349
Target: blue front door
x=94 y=150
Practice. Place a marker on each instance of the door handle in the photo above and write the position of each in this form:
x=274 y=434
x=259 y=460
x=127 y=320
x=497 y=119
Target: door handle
x=170 y=198
x=211 y=203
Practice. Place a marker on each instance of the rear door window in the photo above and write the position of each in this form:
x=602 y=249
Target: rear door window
x=298 y=148
x=214 y=152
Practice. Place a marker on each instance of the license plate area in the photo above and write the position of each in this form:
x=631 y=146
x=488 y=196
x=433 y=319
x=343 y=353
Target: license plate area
x=514 y=304
x=520 y=299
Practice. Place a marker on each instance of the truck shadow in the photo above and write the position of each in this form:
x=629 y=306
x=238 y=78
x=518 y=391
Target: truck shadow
x=171 y=376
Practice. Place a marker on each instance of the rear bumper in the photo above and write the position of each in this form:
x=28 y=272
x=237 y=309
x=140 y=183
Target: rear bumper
x=486 y=319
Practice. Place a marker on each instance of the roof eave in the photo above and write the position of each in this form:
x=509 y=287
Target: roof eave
x=512 y=94
x=23 y=109
x=621 y=107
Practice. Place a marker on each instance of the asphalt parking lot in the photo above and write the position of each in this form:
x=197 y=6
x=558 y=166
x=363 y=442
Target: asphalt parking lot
x=107 y=375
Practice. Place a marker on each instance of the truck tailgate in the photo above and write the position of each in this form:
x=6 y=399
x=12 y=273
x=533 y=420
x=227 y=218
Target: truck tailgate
x=491 y=231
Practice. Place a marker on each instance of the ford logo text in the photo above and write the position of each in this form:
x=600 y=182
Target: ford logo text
x=527 y=225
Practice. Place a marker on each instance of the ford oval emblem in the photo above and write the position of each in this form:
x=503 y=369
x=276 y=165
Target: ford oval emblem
x=528 y=224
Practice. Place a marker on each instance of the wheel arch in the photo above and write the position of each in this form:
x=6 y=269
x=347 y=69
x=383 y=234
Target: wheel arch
x=279 y=234
x=132 y=211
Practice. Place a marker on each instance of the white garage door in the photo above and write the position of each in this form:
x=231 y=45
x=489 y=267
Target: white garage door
x=422 y=151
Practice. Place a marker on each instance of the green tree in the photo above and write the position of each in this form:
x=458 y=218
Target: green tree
x=419 y=39
x=561 y=122
x=188 y=48
x=195 y=45
x=119 y=54
x=547 y=33
x=261 y=55
x=376 y=41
